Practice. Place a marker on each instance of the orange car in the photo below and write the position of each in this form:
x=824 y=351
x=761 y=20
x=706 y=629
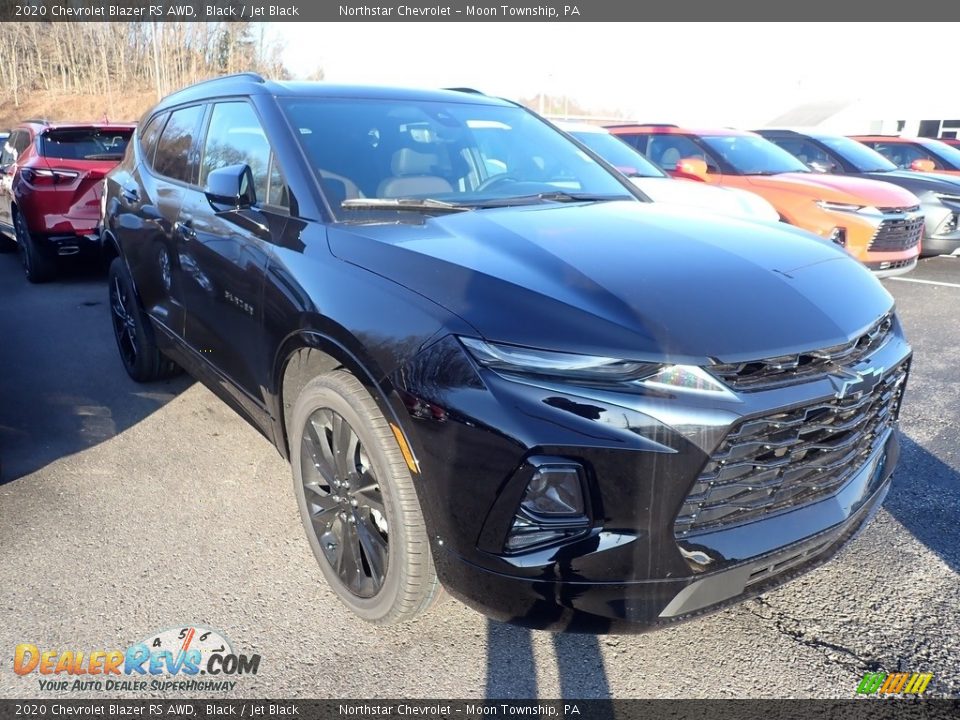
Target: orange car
x=921 y=154
x=878 y=223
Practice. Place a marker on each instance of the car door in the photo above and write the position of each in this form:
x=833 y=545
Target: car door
x=223 y=255
x=152 y=198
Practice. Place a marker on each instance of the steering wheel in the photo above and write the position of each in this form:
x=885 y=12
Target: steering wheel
x=496 y=180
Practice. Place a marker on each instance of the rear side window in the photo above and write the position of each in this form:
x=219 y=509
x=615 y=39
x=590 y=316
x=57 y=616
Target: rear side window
x=173 y=149
x=150 y=135
x=85 y=143
x=235 y=137
x=18 y=141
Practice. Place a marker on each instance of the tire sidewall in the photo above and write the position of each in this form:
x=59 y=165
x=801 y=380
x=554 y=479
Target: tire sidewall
x=138 y=371
x=325 y=392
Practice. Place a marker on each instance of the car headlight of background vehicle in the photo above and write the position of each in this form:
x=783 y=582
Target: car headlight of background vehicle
x=591 y=369
x=831 y=206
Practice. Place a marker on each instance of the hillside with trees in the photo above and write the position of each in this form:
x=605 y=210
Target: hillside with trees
x=86 y=70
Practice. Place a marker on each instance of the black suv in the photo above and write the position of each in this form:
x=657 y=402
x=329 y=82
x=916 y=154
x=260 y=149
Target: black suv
x=494 y=366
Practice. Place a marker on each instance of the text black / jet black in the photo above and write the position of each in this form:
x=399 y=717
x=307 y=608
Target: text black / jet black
x=492 y=364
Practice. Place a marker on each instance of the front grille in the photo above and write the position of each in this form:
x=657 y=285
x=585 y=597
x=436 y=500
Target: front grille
x=800 y=367
x=780 y=461
x=899 y=210
x=897 y=234
x=890 y=264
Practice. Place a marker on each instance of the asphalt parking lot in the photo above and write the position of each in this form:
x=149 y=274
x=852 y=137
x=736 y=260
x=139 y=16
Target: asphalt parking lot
x=127 y=509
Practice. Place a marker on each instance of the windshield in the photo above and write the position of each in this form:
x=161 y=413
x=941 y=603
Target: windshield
x=616 y=152
x=459 y=153
x=864 y=159
x=85 y=143
x=947 y=153
x=753 y=155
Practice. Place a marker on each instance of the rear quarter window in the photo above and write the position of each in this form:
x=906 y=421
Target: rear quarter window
x=150 y=135
x=172 y=157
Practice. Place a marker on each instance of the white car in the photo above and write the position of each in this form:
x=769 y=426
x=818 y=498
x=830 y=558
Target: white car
x=660 y=187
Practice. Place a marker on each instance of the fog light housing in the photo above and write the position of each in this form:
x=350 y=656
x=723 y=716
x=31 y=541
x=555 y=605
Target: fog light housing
x=948 y=226
x=553 y=507
x=839 y=236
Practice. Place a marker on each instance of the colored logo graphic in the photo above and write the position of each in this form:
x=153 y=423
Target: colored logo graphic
x=183 y=652
x=899 y=683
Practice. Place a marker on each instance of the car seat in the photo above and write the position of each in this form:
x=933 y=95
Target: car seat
x=413 y=174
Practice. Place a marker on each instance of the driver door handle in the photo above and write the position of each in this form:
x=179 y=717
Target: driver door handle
x=184 y=228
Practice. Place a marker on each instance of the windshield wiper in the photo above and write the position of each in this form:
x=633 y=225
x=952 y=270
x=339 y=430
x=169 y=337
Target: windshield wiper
x=560 y=196
x=401 y=204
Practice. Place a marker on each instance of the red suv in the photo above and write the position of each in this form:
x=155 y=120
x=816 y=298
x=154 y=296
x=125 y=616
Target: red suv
x=50 y=187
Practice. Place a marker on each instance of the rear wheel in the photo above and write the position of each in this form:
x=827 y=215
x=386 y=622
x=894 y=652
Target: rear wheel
x=136 y=342
x=36 y=266
x=358 y=503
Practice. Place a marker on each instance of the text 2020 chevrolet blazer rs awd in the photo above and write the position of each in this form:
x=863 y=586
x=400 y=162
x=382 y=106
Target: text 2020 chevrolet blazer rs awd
x=492 y=364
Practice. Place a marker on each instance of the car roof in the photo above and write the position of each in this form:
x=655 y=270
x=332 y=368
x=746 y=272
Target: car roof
x=572 y=126
x=666 y=129
x=895 y=139
x=814 y=133
x=40 y=125
x=253 y=84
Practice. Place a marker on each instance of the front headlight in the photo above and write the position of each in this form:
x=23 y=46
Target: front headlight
x=514 y=359
x=847 y=207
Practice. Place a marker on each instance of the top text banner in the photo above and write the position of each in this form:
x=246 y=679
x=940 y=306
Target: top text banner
x=486 y=11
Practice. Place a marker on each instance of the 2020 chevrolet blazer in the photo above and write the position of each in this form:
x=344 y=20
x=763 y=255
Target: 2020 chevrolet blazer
x=492 y=365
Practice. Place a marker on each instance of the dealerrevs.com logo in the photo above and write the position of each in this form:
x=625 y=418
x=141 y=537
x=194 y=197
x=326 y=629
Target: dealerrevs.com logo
x=191 y=658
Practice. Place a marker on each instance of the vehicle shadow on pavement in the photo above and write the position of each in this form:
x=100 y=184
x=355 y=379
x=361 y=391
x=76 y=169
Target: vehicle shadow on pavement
x=512 y=669
x=63 y=388
x=924 y=499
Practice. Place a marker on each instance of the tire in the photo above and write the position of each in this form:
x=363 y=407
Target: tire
x=136 y=342
x=370 y=523
x=36 y=266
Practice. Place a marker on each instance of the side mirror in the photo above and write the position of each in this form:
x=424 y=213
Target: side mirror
x=923 y=165
x=821 y=166
x=692 y=169
x=231 y=188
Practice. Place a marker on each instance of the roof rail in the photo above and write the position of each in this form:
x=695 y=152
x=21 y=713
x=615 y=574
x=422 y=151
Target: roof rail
x=647 y=124
x=472 y=91
x=39 y=121
x=256 y=77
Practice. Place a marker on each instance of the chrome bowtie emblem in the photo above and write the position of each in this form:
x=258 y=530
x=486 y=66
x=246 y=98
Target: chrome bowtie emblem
x=854 y=384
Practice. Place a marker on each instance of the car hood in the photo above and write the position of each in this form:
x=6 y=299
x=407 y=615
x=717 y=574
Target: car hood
x=625 y=279
x=738 y=203
x=919 y=182
x=836 y=188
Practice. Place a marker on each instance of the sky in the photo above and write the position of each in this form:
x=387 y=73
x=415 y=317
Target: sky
x=741 y=74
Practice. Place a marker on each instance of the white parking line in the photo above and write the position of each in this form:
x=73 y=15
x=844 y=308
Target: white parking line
x=925 y=282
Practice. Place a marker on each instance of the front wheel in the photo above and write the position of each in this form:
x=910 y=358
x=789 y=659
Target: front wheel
x=358 y=503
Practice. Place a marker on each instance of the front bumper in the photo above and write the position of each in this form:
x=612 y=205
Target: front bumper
x=631 y=607
x=471 y=430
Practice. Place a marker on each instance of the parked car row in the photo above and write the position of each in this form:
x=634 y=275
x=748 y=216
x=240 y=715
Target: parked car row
x=834 y=186
x=50 y=185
